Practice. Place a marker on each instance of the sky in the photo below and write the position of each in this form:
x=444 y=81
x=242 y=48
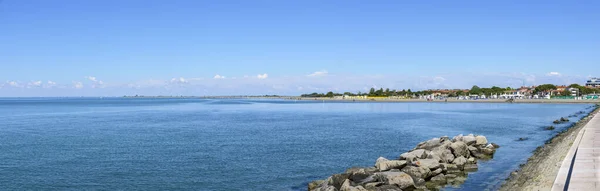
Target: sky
x=226 y=47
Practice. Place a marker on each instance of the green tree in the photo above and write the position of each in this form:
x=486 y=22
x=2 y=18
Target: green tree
x=372 y=92
x=544 y=88
x=387 y=92
x=476 y=90
x=329 y=94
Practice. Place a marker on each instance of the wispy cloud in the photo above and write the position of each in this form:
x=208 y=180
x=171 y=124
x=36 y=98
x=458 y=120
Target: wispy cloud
x=318 y=73
x=219 y=77
x=262 y=76
x=553 y=74
x=179 y=80
x=77 y=85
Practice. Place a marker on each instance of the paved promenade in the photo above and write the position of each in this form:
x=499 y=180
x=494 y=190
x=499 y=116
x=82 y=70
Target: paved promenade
x=581 y=168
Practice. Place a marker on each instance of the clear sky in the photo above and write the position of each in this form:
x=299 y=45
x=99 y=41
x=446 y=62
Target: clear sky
x=195 y=47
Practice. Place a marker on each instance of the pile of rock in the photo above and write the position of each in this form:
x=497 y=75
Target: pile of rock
x=432 y=165
x=561 y=120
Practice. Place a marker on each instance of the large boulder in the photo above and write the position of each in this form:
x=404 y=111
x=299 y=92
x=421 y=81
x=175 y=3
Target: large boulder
x=469 y=139
x=316 y=184
x=460 y=162
x=459 y=148
x=417 y=171
x=481 y=140
x=400 y=179
x=420 y=153
x=390 y=164
x=347 y=186
x=386 y=188
x=361 y=175
x=430 y=144
x=408 y=157
x=427 y=163
x=457 y=138
x=337 y=180
x=440 y=178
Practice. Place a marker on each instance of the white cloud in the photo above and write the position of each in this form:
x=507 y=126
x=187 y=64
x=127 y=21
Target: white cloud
x=262 y=76
x=553 y=74
x=91 y=78
x=14 y=84
x=179 y=80
x=219 y=77
x=34 y=84
x=49 y=84
x=318 y=73
x=77 y=85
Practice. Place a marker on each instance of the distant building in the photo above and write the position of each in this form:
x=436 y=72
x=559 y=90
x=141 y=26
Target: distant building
x=593 y=83
x=574 y=91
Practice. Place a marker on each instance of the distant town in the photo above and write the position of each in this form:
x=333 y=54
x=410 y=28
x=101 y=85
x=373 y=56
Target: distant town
x=590 y=90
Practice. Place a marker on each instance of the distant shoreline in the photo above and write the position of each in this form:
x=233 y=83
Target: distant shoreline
x=326 y=99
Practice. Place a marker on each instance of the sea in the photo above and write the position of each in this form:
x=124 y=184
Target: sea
x=245 y=144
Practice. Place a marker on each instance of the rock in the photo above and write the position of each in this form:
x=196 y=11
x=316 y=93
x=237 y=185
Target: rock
x=549 y=128
x=470 y=167
x=428 y=145
x=472 y=160
x=361 y=175
x=417 y=172
x=387 y=188
x=522 y=139
x=564 y=119
x=437 y=171
x=408 y=157
x=457 y=138
x=337 y=180
x=480 y=140
x=556 y=122
x=427 y=163
x=459 y=149
x=494 y=145
x=420 y=153
x=372 y=185
x=346 y=186
x=390 y=164
x=439 y=178
x=487 y=151
x=400 y=179
x=469 y=139
x=315 y=184
x=460 y=162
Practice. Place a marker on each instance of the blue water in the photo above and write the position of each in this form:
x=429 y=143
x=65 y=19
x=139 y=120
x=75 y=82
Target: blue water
x=207 y=144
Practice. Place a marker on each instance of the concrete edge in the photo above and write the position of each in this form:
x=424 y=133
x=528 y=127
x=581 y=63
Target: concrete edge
x=563 y=173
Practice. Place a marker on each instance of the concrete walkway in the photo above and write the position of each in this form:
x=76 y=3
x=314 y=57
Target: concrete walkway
x=580 y=169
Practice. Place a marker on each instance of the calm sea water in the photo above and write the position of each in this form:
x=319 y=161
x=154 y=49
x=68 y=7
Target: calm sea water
x=204 y=144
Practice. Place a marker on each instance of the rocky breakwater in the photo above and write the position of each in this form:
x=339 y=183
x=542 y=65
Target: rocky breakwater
x=429 y=166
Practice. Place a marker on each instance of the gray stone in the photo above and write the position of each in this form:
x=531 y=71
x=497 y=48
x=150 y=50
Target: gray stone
x=471 y=167
x=428 y=145
x=469 y=139
x=337 y=180
x=436 y=171
x=361 y=175
x=420 y=153
x=481 y=140
x=401 y=179
x=439 y=178
x=427 y=163
x=418 y=172
x=387 y=188
x=408 y=157
x=459 y=149
x=390 y=164
x=347 y=186
x=372 y=185
x=460 y=162
x=316 y=184
x=457 y=138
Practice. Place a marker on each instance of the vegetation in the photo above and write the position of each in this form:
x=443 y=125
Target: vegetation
x=475 y=90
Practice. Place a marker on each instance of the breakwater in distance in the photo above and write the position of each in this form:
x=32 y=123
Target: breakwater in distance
x=431 y=165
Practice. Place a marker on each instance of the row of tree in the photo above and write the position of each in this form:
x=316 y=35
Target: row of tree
x=475 y=90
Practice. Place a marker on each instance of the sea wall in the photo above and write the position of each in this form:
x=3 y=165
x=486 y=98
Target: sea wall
x=430 y=165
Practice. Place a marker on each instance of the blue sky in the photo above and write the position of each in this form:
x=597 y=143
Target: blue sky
x=113 y=48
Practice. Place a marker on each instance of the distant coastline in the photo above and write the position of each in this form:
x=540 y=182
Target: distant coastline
x=327 y=99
